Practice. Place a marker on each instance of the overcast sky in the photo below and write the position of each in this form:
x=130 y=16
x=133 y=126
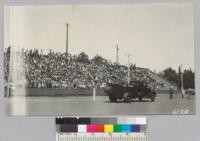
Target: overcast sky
x=156 y=35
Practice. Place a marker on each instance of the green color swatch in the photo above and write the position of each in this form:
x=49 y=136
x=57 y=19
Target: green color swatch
x=117 y=128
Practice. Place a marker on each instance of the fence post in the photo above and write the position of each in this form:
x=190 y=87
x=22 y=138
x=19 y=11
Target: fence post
x=94 y=93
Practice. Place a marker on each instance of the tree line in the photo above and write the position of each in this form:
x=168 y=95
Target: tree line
x=175 y=77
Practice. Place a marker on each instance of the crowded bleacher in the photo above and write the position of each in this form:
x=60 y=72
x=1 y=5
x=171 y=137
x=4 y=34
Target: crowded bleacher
x=57 y=70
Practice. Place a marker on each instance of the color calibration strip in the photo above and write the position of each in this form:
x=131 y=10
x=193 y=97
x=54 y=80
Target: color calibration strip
x=104 y=129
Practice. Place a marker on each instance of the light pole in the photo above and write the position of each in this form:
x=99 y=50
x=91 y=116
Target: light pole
x=128 y=79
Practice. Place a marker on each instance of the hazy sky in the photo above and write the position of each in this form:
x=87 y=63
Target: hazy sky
x=156 y=35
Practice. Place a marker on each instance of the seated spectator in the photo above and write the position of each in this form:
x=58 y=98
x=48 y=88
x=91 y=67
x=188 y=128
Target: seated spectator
x=56 y=70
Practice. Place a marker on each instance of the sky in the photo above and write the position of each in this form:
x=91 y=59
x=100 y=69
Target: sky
x=157 y=36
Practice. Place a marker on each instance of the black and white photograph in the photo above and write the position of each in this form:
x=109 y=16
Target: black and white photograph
x=99 y=60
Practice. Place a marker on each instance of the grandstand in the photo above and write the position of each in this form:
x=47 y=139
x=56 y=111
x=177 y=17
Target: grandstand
x=57 y=70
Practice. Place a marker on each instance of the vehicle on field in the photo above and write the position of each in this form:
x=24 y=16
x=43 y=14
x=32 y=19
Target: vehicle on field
x=127 y=92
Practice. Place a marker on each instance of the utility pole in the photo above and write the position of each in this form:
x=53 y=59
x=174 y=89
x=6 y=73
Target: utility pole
x=117 y=55
x=128 y=55
x=181 y=67
x=67 y=35
x=182 y=88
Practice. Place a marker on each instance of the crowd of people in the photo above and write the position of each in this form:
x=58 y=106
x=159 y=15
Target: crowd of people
x=57 y=70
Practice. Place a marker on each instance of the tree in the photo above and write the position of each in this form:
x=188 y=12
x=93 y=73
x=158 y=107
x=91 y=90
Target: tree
x=98 y=59
x=83 y=57
x=171 y=75
x=132 y=67
x=188 y=79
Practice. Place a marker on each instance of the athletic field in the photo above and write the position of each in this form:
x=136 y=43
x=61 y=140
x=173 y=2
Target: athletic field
x=76 y=105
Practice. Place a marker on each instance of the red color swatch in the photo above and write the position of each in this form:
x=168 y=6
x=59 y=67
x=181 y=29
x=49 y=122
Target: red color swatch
x=99 y=128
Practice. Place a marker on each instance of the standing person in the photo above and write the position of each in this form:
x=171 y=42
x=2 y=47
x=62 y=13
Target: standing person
x=171 y=92
x=182 y=93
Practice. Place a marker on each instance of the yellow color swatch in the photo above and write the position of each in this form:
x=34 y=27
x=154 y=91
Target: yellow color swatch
x=108 y=128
